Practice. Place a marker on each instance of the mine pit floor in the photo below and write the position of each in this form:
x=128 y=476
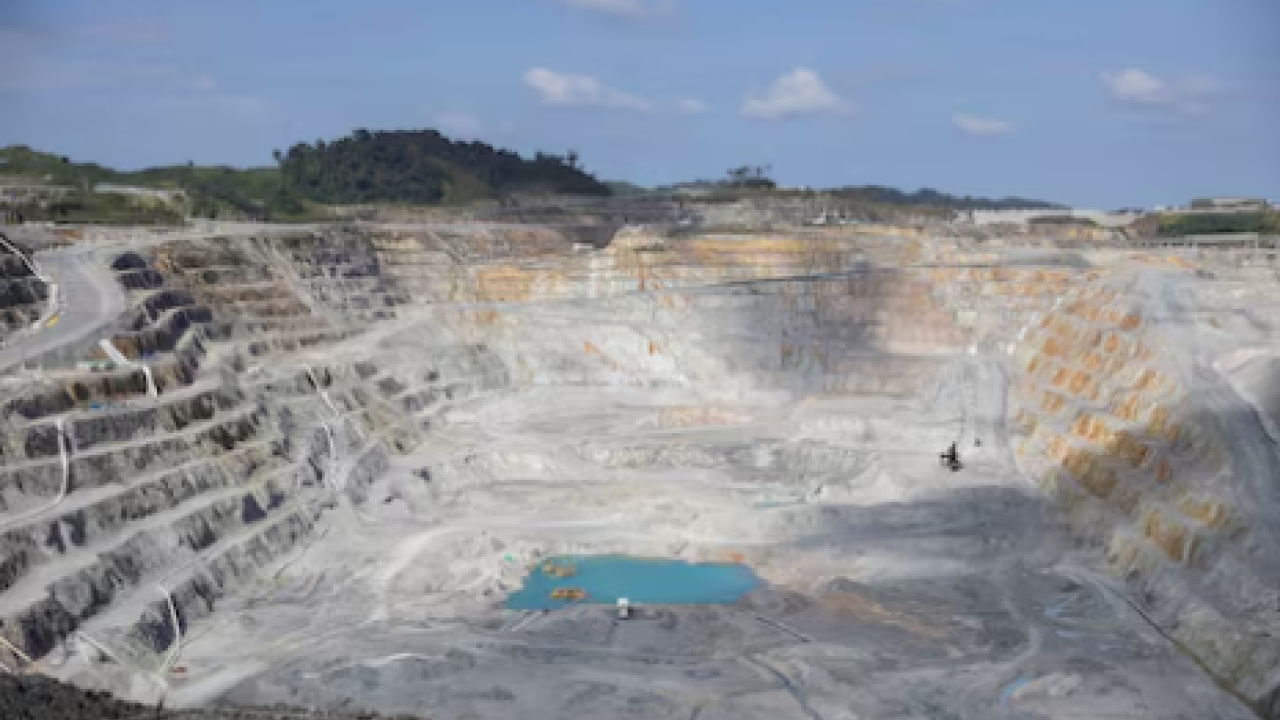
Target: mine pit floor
x=895 y=588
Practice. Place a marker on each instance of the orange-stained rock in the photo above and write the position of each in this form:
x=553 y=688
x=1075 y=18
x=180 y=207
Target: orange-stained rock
x=1210 y=512
x=1079 y=381
x=1168 y=534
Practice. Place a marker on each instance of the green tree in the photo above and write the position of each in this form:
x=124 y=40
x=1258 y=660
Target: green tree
x=423 y=167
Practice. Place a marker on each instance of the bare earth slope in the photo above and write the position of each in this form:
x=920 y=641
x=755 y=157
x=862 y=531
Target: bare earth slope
x=364 y=436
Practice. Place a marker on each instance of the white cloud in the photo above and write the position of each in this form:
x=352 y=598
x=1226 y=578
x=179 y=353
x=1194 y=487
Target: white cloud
x=1138 y=87
x=460 y=125
x=692 y=106
x=801 y=92
x=981 y=126
x=580 y=90
x=620 y=8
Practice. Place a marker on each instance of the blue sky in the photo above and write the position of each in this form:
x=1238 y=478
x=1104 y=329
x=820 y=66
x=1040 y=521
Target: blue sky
x=1099 y=104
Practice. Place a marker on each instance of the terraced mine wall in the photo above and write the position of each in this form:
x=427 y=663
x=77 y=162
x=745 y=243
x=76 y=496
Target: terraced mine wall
x=716 y=313
x=41 y=698
x=564 y=214
x=1112 y=428
x=1163 y=466
x=291 y=368
x=23 y=294
x=125 y=517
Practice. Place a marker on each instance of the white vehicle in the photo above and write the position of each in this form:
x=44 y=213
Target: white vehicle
x=624 y=608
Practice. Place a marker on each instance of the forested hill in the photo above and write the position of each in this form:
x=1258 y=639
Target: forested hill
x=934 y=198
x=423 y=166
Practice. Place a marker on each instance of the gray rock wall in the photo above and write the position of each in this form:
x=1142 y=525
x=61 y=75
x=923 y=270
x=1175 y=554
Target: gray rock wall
x=227 y=471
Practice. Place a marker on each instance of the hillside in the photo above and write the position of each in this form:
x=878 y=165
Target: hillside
x=1173 y=225
x=415 y=168
x=421 y=167
x=933 y=198
x=866 y=202
x=210 y=191
x=1177 y=224
x=425 y=167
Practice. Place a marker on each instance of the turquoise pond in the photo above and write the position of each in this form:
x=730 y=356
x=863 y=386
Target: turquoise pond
x=641 y=580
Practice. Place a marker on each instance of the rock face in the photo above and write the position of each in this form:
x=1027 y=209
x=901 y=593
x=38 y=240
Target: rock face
x=22 y=294
x=295 y=367
x=1154 y=457
x=115 y=505
x=40 y=698
x=1116 y=424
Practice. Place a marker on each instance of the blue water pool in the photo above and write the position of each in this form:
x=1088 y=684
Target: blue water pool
x=606 y=578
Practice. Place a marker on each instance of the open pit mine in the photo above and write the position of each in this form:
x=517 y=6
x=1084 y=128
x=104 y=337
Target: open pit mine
x=308 y=466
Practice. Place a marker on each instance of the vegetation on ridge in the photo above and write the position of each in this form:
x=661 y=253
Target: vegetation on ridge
x=1211 y=223
x=424 y=167
x=934 y=198
x=420 y=167
x=927 y=200
x=217 y=191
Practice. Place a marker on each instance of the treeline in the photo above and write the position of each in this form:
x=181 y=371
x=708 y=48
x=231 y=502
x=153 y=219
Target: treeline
x=930 y=197
x=1211 y=223
x=221 y=191
x=108 y=209
x=925 y=199
x=745 y=177
x=207 y=192
x=425 y=167
x=419 y=167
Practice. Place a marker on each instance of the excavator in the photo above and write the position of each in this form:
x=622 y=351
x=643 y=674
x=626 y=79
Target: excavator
x=951 y=459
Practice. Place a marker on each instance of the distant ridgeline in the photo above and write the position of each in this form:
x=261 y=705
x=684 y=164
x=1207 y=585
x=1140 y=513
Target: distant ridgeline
x=425 y=167
x=419 y=167
x=45 y=186
x=934 y=198
x=867 y=202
